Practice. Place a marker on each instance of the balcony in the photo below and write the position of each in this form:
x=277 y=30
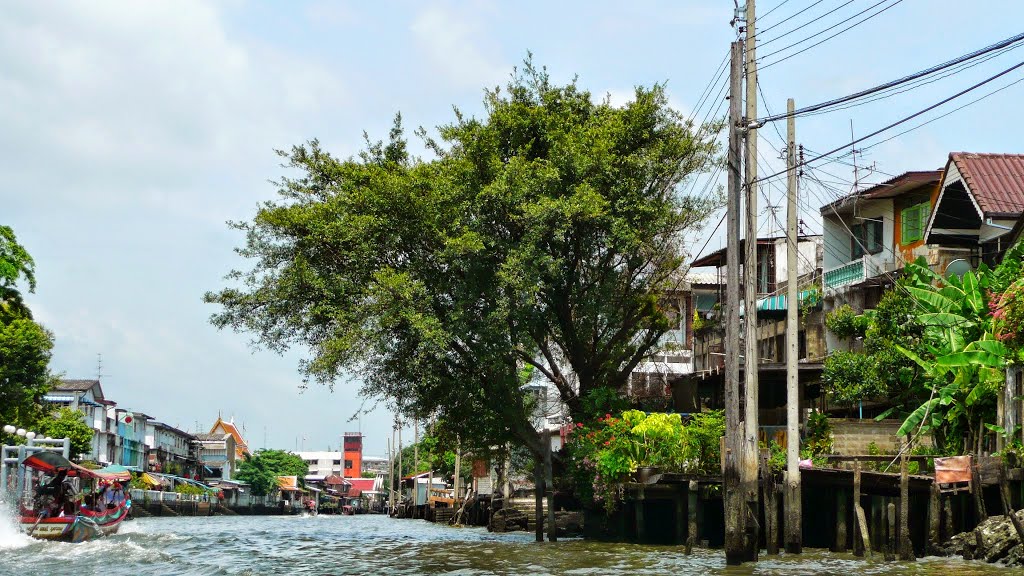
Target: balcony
x=854 y=272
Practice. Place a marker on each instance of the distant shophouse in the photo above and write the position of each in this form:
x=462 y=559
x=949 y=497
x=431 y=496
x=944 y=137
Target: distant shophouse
x=87 y=397
x=130 y=442
x=171 y=451
x=217 y=454
x=322 y=465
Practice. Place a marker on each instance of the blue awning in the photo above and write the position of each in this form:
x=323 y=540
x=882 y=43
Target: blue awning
x=778 y=302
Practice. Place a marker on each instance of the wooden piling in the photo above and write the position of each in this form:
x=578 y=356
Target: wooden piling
x=979 y=501
x=693 y=496
x=947 y=516
x=680 y=515
x=840 y=542
x=771 y=515
x=890 y=545
x=862 y=526
x=906 y=548
x=1004 y=493
x=934 y=520
x=859 y=527
x=640 y=523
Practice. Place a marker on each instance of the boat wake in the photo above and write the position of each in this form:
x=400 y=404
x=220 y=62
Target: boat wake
x=11 y=536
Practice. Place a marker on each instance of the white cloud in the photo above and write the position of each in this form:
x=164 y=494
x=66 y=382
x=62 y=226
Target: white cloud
x=454 y=45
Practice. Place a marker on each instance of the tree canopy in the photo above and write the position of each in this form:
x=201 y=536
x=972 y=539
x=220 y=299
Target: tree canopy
x=68 y=423
x=261 y=469
x=25 y=346
x=541 y=234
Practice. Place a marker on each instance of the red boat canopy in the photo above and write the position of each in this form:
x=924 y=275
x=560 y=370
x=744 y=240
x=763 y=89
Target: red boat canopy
x=50 y=463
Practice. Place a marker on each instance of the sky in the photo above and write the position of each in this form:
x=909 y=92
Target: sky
x=130 y=132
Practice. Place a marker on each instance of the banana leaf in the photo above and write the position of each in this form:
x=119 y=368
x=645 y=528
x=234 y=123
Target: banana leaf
x=916 y=417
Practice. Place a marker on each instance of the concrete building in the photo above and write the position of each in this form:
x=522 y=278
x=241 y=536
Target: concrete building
x=217 y=456
x=322 y=464
x=87 y=397
x=170 y=450
x=352 y=443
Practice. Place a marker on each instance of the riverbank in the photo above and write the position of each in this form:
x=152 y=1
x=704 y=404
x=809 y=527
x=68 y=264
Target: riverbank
x=377 y=544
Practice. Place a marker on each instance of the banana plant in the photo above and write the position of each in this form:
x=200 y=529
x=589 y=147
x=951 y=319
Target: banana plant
x=962 y=361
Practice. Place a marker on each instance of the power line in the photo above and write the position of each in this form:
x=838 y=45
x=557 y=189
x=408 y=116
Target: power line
x=903 y=120
x=805 y=24
x=783 y=21
x=900 y=81
x=820 y=42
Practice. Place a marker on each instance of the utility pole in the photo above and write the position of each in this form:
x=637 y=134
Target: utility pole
x=416 y=446
x=391 y=479
x=399 y=423
x=735 y=515
x=794 y=516
x=750 y=453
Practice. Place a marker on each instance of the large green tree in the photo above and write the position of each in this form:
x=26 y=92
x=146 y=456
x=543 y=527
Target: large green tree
x=68 y=423
x=25 y=346
x=261 y=470
x=541 y=234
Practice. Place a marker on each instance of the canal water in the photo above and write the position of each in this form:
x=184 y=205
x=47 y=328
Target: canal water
x=370 y=544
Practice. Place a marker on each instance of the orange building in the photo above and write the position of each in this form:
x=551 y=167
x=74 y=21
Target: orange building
x=353 y=447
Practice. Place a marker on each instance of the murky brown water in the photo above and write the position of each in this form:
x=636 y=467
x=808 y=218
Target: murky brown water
x=380 y=545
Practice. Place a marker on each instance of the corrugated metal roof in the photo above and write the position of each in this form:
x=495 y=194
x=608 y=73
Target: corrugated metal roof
x=995 y=180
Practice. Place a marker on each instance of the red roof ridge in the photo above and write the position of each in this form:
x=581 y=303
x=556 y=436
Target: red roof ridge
x=995 y=180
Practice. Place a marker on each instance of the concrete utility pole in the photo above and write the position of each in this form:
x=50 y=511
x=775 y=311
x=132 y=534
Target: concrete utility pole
x=735 y=513
x=391 y=478
x=399 y=423
x=794 y=517
x=749 y=461
x=416 y=446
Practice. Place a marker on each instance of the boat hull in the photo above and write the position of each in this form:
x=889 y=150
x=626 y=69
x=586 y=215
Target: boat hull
x=78 y=528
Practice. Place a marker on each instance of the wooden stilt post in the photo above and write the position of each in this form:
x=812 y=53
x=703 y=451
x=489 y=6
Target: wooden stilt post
x=693 y=501
x=979 y=501
x=1004 y=493
x=771 y=513
x=840 y=543
x=890 y=542
x=947 y=516
x=934 y=519
x=538 y=483
x=680 y=516
x=640 y=521
x=906 y=548
x=858 y=513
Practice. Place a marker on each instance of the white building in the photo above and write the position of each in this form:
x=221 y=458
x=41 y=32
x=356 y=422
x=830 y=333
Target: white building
x=322 y=464
x=86 y=396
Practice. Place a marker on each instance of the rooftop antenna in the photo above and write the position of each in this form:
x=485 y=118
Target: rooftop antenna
x=99 y=366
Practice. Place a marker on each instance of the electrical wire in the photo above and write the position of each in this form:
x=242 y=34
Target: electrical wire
x=820 y=42
x=996 y=47
x=905 y=119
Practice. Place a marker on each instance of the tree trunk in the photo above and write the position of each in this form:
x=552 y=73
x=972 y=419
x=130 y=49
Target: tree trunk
x=538 y=482
x=549 y=488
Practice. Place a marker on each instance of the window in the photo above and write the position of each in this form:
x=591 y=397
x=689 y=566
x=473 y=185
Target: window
x=867 y=238
x=348 y=464
x=912 y=222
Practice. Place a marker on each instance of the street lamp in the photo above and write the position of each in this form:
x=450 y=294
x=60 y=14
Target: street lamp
x=30 y=435
x=20 y=432
x=9 y=429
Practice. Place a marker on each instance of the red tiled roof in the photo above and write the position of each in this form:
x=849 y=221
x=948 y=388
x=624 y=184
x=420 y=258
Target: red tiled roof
x=361 y=484
x=334 y=480
x=995 y=180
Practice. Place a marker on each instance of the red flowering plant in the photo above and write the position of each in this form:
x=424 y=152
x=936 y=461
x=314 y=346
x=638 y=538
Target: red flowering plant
x=1008 y=315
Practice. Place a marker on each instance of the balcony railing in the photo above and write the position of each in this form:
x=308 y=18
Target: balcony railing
x=854 y=272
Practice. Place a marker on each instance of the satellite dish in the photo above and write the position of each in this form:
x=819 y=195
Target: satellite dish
x=958 y=268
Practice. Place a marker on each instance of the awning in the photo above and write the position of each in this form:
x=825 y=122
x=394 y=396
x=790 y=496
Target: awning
x=58 y=398
x=50 y=462
x=778 y=303
x=117 y=472
x=151 y=481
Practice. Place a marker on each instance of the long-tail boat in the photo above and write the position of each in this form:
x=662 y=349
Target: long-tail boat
x=83 y=523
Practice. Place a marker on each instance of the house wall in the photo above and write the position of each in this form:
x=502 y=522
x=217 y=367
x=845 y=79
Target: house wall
x=807 y=257
x=837 y=239
x=910 y=251
x=853 y=437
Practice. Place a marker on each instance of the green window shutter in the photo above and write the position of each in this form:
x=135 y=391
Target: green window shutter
x=913 y=222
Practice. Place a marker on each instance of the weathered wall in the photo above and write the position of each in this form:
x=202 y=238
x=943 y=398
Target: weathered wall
x=852 y=436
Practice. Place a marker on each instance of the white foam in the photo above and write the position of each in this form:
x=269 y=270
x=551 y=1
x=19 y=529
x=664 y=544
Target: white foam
x=11 y=536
